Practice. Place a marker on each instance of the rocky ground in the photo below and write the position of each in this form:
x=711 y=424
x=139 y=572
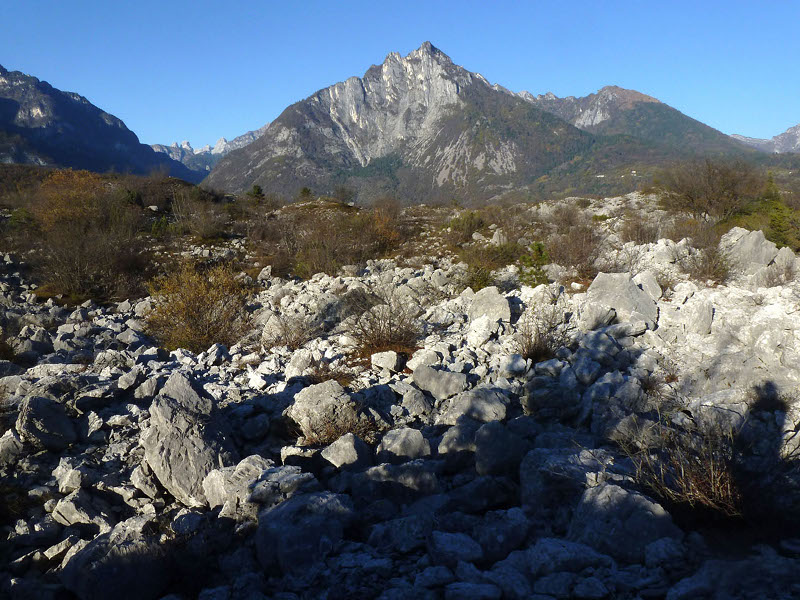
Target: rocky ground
x=461 y=471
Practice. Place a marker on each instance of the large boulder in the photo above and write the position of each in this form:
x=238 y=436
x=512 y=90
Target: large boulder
x=498 y=451
x=481 y=404
x=620 y=523
x=230 y=487
x=440 y=384
x=126 y=563
x=322 y=409
x=401 y=445
x=348 y=452
x=749 y=251
x=44 y=423
x=298 y=533
x=185 y=441
x=491 y=303
x=620 y=292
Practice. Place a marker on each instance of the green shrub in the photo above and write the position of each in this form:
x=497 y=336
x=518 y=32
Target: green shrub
x=464 y=225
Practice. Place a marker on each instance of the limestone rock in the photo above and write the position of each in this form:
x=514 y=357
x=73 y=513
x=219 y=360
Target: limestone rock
x=126 y=563
x=322 y=407
x=491 y=303
x=620 y=292
x=401 y=445
x=44 y=423
x=620 y=523
x=481 y=404
x=185 y=441
x=348 y=452
x=440 y=384
x=298 y=533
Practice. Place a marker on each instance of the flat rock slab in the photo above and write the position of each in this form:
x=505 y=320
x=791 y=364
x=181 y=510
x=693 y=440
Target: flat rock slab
x=185 y=441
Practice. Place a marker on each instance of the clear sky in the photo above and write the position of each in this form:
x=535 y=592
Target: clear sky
x=200 y=69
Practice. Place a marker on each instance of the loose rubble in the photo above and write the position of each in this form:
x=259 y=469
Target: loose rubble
x=461 y=471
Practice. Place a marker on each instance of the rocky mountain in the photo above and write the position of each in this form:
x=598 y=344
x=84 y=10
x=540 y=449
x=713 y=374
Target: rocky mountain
x=786 y=142
x=425 y=128
x=203 y=159
x=419 y=123
x=40 y=124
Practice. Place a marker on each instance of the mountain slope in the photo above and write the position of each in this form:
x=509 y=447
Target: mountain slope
x=617 y=111
x=42 y=125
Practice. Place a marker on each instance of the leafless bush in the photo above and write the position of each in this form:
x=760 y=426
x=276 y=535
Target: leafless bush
x=540 y=332
x=91 y=245
x=625 y=259
x=329 y=429
x=707 y=264
x=709 y=189
x=200 y=217
x=694 y=468
x=324 y=370
x=290 y=331
x=639 y=229
x=578 y=247
x=386 y=322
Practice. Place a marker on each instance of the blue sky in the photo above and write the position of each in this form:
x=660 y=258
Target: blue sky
x=199 y=70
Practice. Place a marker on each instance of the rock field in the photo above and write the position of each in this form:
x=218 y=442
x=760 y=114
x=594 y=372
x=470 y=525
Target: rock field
x=463 y=471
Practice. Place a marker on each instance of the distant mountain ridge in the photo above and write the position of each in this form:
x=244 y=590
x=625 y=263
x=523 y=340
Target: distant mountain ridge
x=786 y=142
x=203 y=159
x=422 y=126
x=42 y=125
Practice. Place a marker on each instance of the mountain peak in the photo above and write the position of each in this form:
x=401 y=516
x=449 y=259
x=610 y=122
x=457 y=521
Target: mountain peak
x=626 y=98
x=429 y=50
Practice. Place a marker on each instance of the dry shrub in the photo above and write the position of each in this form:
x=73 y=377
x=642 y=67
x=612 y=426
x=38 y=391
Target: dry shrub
x=639 y=229
x=694 y=468
x=91 y=246
x=323 y=371
x=196 y=214
x=385 y=321
x=709 y=262
x=198 y=307
x=709 y=189
x=324 y=241
x=540 y=332
x=577 y=247
x=292 y=332
x=481 y=260
x=331 y=429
